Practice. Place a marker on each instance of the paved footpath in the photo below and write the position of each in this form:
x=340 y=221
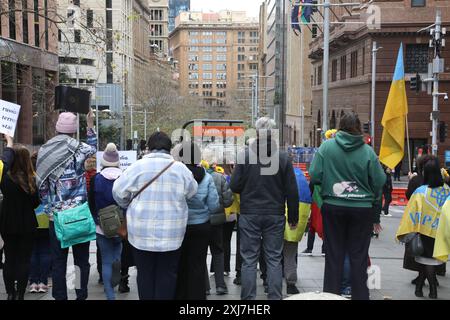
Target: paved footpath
x=385 y=253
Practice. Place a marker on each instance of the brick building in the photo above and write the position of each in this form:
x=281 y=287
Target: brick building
x=350 y=71
x=29 y=65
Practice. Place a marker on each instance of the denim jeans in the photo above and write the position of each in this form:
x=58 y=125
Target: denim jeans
x=268 y=231
x=346 y=277
x=40 y=261
x=59 y=268
x=110 y=250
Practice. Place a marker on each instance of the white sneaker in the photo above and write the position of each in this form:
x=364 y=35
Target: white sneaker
x=43 y=288
x=387 y=215
x=34 y=288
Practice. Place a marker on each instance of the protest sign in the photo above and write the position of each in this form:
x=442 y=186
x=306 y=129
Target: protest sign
x=127 y=158
x=9 y=114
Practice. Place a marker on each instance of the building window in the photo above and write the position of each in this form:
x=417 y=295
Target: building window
x=418 y=3
x=12 y=19
x=207 y=49
x=193 y=48
x=334 y=70
x=77 y=36
x=207 y=57
x=193 y=75
x=241 y=49
x=36 y=23
x=193 y=66
x=221 y=57
x=109 y=68
x=241 y=57
x=207 y=67
x=319 y=75
x=193 y=57
x=193 y=41
x=221 y=76
x=221 y=34
x=207 y=76
x=221 y=41
x=193 y=33
x=253 y=66
x=314 y=31
x=221 y=49
x=206 y=40
x=221 y=67
x=354 y=64
x=90 y=18
x=241 y=67
x=416 y=58
x=207 y=33
x=25 y=21
x=343 y=67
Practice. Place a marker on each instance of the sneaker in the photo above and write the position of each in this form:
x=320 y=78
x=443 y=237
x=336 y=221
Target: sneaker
x=292 y=289
x=43 y=288
x=387 y=215
x=220 y=291
x=237 y=281
x=347 y=293
x=34 y=288
x=307 y=252
x=123 y=286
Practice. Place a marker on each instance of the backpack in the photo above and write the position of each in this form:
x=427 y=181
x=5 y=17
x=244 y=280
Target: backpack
x=110 y=219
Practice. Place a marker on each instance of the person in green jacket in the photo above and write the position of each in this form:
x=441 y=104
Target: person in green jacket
x=351 y=180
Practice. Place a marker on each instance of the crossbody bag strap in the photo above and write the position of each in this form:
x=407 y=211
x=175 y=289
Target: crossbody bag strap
x=153 y=180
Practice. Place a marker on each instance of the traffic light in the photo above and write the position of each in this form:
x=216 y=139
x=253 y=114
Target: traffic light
x=443 y=131
x=415 y=83
x=366 y=127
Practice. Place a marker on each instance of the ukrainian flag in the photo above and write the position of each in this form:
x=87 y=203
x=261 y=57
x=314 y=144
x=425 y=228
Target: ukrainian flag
x=394 y=118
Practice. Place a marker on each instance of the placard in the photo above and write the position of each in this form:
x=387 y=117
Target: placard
x=9 y=114
x=127 y=158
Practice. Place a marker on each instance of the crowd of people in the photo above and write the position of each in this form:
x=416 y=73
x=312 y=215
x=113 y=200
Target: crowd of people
x=164 y=212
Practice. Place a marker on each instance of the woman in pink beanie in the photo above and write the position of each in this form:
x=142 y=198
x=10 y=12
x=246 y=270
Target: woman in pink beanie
x=61 y=183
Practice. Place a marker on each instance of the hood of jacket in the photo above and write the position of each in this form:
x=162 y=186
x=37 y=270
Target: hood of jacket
x=198 y=172
x=348 y=142
x=111 y=173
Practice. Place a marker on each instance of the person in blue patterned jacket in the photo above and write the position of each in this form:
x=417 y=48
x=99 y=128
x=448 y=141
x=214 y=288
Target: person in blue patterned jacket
x=61 y=183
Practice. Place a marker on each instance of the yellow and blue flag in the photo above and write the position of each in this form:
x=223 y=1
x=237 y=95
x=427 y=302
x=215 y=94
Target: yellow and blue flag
x=394 y=118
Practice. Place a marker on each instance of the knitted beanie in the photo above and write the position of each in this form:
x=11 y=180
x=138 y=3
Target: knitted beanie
x=67 y=123
x=110 y=156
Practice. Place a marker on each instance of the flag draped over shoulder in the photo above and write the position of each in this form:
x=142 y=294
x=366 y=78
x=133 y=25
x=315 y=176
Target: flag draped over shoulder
x=423 y=212
x=394 y=118
x=442 y=241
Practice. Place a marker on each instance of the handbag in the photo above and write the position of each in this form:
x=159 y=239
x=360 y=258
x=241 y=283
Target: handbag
x=122 y=231
x=74 y=226
x=414 y=245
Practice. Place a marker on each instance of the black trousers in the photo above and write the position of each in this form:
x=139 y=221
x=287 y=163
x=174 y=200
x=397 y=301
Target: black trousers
x=347 y=230
x=227 y=235
x=18 y=250
x=156 y=274
x=238 y=263
x=387 y=201
x=191 y=283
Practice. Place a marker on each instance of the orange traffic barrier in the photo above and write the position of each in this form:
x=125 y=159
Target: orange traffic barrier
x=399 y=197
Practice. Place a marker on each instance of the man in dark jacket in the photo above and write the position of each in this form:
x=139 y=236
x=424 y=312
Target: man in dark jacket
x=265 y=180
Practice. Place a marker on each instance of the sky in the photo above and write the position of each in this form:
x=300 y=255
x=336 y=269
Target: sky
x=250 y=6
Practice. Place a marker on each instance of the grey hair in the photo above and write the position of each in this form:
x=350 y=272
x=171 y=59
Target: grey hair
x=265 y=123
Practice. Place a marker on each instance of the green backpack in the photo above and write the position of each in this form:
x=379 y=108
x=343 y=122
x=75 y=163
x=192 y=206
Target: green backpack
x=110 y=219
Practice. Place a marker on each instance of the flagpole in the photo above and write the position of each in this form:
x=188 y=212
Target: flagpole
x=407 y=141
